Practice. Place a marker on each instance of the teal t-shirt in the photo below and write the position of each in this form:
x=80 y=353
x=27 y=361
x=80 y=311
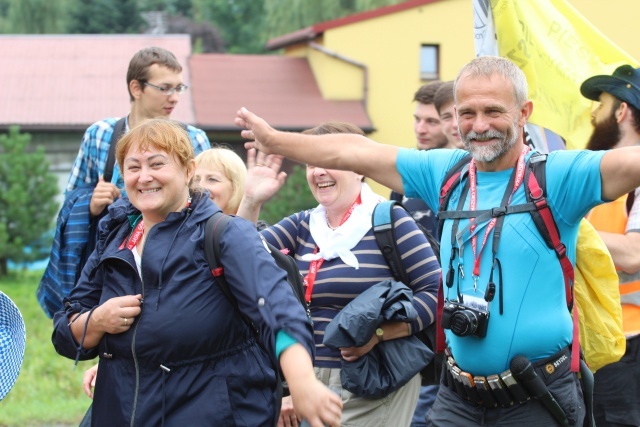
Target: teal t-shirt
x=535 y=321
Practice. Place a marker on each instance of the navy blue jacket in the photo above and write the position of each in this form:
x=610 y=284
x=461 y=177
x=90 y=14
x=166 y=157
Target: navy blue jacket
x=216 y=372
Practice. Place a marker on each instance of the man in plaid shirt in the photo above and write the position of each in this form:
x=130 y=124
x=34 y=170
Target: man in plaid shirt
x=154 y=82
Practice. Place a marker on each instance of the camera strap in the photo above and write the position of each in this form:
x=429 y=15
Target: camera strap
x=495 y=227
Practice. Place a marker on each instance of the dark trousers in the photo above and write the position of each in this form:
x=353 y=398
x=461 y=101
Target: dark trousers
x=616 y=392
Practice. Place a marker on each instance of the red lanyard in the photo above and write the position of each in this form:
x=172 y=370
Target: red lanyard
x=314 y=266
x=473 y=195
x=136 y=234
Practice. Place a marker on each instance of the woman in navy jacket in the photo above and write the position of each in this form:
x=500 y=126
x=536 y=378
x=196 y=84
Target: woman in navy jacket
x=173 y=350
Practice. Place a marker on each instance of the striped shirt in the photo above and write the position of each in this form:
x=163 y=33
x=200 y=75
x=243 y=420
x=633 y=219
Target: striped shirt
x=337 y=284
x=92 y=156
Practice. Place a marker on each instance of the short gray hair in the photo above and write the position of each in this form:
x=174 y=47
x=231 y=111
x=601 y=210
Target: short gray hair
x=487 y=66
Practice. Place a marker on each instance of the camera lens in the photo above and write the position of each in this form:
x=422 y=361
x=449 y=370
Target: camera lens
x=463 y=323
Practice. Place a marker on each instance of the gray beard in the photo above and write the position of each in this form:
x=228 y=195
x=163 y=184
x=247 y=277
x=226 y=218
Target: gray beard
x=493 y=151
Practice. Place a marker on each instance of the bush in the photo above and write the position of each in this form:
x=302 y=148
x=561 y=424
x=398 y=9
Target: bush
x=27 y=200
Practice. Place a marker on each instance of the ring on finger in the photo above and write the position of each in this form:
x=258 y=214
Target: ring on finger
x=126 y=321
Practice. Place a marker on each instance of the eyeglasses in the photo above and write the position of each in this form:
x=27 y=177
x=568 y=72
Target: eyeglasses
x=168 y=91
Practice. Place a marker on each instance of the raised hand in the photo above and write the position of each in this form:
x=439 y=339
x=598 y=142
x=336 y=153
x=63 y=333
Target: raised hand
x=256 y=129
x=264 y=178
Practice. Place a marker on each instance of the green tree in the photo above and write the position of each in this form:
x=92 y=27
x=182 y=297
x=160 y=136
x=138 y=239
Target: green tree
x=294 y=196
x=34 y=16
x=27 y=200
x=106 y=17
x=285 y=16
x=242 y=23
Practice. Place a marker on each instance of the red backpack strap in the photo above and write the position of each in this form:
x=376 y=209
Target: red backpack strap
x=535 y=188
x=450 y=181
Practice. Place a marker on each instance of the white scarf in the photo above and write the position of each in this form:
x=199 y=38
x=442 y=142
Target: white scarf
x=338 y=243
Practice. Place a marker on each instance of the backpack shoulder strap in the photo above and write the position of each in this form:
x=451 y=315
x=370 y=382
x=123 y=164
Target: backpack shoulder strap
x=536 y=192
x=215 y=226
x=535 y=181
x=118 y=130
x=383 y=231
x=453 y=177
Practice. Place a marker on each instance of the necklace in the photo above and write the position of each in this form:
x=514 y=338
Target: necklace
x=326 y=215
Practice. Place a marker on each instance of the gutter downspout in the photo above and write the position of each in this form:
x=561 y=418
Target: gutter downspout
x=365 y=71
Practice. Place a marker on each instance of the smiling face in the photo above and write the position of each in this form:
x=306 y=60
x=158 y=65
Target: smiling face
x=219 y=186
x=490 y=120
x=334 y=189
x=155 y=181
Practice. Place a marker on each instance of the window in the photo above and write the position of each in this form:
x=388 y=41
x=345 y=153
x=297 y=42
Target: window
x=429 y=62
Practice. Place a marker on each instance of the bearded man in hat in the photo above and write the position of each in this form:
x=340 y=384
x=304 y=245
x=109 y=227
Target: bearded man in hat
x=616 y=124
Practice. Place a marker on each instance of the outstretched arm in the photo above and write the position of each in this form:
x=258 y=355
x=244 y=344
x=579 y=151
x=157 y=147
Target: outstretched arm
x=334 y=151
x=619 y=172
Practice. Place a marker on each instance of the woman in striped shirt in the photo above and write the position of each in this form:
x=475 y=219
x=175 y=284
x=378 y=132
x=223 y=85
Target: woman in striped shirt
x=336 y=251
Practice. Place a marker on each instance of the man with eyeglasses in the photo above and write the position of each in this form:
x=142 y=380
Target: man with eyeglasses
x=154 y=81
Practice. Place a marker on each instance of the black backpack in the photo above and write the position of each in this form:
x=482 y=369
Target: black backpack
x=215 y=226
x=383 y=230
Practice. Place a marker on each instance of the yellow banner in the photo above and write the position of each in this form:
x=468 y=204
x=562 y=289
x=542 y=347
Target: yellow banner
x=557 y=49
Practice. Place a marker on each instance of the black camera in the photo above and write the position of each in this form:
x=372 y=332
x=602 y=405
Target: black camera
x=463 y=320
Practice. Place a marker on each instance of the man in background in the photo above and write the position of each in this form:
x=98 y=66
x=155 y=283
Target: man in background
x=426 y=126
x=444 y=103
x=616 y=124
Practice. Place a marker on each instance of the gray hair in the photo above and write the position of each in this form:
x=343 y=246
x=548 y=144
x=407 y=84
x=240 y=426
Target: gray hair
x=487 y=66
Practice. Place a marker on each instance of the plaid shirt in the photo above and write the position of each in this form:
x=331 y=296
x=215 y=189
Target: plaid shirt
x=92 y=157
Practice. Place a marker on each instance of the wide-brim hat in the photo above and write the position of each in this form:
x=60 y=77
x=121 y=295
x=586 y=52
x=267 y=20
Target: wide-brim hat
x=13 y=340
x=624 y=84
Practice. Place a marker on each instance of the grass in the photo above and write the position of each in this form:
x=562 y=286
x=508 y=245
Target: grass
x=48 y=390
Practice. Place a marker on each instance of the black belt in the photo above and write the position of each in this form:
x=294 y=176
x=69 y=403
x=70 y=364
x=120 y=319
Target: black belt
x=500 y=389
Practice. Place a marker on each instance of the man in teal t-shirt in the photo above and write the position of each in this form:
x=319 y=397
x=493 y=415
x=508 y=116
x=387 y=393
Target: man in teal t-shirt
x=532 y=320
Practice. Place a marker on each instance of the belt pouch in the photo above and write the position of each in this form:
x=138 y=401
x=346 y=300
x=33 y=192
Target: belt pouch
x=499 y=390
x=484 y=392
x=457 y=382
x=469 y=387
x=514 y=387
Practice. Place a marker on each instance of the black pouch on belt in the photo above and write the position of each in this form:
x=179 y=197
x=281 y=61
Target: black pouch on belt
x=457 y=382
x=515 y=388
x=484 y=392
x=499 y=390
x=469 y=387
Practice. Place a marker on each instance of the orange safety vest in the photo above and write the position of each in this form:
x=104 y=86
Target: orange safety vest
x=612 y=218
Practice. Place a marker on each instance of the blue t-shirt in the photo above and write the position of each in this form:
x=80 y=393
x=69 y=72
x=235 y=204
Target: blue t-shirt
x=536 y=322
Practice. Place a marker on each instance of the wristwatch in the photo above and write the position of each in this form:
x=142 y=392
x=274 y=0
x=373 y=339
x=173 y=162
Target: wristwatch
x=380 y=334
